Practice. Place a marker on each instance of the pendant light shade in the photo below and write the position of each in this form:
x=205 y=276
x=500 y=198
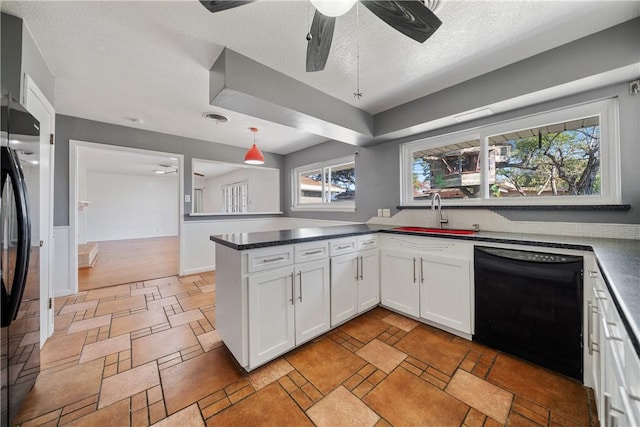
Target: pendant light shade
x=254 y=156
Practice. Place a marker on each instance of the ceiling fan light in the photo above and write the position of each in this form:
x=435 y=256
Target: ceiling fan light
x=333 y=7
x=254 y=156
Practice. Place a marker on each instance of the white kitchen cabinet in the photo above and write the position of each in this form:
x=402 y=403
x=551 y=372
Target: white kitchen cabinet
x=368 y=280
x=445 y=291
x=344 y=287
x=428 y=278
x=271 y=314
x=287 y=307
x=615 y=366
x=266 y=303
x=399 y=288
x=312 y=300
x=355 y=277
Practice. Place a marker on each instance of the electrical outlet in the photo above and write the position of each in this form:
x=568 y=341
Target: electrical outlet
x=379 y=212
x=386 y=213
x=187 y=198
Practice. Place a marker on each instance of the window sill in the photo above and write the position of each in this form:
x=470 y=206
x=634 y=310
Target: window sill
x=319 y=208
x=529 y=207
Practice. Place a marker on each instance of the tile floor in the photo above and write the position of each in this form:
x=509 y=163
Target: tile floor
x=148 y=352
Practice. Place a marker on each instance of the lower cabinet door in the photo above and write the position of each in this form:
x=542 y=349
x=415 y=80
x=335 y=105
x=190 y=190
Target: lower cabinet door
x=271 y=315
x=344 y=287
x=368 y=280
x=445 y=294
x=400 y=289
x=312 y=300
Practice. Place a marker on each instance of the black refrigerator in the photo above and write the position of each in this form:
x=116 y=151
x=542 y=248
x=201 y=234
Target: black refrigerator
x=19 y=225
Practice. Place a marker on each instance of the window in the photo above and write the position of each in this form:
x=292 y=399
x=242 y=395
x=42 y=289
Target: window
x=568 y=156
x=235 y=197
x=329 y=185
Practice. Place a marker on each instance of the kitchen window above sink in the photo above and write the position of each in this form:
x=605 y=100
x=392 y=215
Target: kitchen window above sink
x=568 y=156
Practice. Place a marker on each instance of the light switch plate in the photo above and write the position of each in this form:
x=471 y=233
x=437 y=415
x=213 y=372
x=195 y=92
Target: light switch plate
x=379 y=212
x=386 y=213
x=187 y=198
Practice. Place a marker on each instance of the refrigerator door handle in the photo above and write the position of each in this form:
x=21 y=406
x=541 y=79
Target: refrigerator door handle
x=11 y=169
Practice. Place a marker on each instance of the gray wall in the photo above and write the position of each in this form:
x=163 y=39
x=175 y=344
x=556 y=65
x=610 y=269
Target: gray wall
x=68 y=127
x=11 y=49
x=378 y=176
x=20 y=56
x=35 y=66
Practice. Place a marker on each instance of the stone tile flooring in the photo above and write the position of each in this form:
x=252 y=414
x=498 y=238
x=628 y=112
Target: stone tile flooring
x=148 y=352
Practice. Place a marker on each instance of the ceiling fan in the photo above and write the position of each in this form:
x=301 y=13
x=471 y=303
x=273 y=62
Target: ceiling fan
x=166 y=170
x=411 y=17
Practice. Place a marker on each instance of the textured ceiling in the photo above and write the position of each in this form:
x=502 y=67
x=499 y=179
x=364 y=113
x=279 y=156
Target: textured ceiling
x=118 y=60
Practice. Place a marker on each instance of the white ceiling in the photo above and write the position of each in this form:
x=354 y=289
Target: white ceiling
x=118 y=60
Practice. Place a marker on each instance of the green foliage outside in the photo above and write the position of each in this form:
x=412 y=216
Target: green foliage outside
x=563 y=163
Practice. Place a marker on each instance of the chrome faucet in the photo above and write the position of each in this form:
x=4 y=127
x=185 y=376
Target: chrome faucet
x=436 y=203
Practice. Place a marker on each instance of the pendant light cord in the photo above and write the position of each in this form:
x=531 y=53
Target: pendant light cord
x=357 y=93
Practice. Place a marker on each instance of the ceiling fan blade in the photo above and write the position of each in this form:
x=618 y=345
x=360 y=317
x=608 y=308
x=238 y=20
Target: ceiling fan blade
x=411 y=17
x=321 y=36
x=216 y=6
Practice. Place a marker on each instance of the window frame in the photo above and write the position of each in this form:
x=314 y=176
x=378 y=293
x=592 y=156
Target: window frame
x=606 y=110
x=323 y=206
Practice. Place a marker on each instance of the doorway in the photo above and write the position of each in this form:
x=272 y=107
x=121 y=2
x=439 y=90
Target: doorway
x=125 y=214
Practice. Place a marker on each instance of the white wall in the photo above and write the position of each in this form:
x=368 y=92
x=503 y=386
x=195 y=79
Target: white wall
x=264 y=189
x=62 y=266
x=199 y=252
x=131 y=206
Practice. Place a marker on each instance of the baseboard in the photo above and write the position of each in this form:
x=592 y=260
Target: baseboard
x=199 y=270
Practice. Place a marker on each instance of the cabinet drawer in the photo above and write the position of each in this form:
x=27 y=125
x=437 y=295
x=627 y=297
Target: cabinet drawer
x=266 y=259
x=342 y=246
x=369 y=241
x=312 y=251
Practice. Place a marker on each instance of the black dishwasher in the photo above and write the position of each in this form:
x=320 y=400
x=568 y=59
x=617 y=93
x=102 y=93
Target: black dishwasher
x=529 y=304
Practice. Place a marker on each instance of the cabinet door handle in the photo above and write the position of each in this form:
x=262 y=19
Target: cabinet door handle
x=600 y=294
x=313 y=252
x=292 y=288
x=592 y=310
x=344 y=247
x=357 y=269
x=607 y=332
x=590 y=314
x=300 y=276
x=280 y=258
x=361 y=268
x=369 y=242
x=414 y=269
x=421 y=271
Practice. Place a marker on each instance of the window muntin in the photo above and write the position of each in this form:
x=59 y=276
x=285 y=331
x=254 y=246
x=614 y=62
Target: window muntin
x=328 y=185
x=235 y=197
x=591 y=161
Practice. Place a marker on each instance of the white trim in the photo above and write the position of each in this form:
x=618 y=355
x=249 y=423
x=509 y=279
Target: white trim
x=234 y=214
x=74 y=145
x=331 y=207
x=46 y=322
x=606 y=109
x=320 y=166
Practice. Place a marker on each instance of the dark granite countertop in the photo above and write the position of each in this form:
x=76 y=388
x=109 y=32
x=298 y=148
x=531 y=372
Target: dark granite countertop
x=618 y=259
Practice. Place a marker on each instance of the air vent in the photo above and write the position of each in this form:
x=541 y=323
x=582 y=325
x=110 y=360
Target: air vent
x=219 y=118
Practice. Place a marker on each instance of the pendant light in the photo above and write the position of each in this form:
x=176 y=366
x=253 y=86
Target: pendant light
x=254 y=156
